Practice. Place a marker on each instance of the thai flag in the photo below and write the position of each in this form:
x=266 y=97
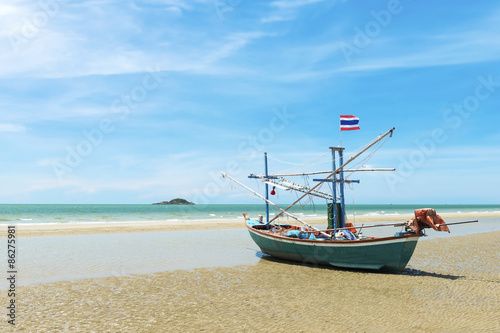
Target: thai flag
x=349 y=123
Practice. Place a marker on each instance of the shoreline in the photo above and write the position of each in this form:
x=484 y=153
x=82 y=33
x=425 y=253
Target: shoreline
x=45 y=230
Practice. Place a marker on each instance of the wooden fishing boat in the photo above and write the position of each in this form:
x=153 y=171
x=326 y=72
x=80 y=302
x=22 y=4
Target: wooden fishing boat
x=384 y=253
x=341 y=244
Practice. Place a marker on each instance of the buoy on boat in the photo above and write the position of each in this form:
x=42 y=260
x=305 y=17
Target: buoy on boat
x=273 y=192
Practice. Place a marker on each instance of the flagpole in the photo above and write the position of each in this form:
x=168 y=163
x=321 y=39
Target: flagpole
x=340 y=131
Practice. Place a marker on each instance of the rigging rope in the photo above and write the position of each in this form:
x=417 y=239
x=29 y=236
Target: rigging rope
x=368 y=157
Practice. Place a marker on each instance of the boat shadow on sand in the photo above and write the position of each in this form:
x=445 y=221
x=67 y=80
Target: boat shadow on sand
x=406 y=271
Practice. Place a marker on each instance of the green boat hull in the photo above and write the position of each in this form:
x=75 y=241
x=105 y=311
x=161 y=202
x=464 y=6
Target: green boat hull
x=388 y=254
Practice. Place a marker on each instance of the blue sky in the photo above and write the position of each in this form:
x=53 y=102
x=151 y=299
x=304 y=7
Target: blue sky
x=142 y=101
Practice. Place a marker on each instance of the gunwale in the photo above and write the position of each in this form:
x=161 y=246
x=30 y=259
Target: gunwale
x=367 y=241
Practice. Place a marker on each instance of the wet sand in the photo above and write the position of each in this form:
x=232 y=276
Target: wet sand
x=450 y=285
x=34 y=230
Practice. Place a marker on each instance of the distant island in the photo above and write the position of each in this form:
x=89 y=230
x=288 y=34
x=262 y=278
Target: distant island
x=177 y=201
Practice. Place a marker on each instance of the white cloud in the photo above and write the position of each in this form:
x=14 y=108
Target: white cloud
x=286 y=10
x=12 y=128
x=277 y=18
x=10 y=17
x=293 y=3
x=231 y=45
x=465 y=48
x=64 y=48
x=460 y=44
x=444 y=50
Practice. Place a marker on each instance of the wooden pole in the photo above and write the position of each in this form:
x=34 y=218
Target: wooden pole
x=322 y=172
x=455 y=223
x=398 y=224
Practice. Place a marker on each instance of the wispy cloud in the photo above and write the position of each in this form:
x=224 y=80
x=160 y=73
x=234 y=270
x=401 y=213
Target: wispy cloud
x=293 y=3
x=473 y=42
x=277 y=18
x=283 y=10
x=463 y=48
x=231 y=45
x=12 y=128
x=221 y=81
x=98 y=38
x=324 y=58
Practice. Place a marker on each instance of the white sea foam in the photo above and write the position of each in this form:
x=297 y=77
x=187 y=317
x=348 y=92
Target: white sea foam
x=369 y=214
x=383 y=213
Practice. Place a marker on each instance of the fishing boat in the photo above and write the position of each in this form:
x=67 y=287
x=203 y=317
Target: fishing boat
x=341 y=244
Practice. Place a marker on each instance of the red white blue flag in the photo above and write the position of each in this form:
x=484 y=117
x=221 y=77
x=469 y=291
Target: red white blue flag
x=349 y=123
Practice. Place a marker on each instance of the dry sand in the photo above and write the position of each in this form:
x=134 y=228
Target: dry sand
x=33 y=230
x=451 y=285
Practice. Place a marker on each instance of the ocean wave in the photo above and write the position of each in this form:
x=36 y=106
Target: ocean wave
x=378 y=214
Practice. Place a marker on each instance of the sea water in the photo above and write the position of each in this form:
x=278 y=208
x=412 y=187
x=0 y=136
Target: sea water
x=58 y=258
x=36 y=214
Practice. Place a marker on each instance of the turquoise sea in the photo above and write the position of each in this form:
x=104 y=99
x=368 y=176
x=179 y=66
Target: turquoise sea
x=69 y=213
x=50 y=259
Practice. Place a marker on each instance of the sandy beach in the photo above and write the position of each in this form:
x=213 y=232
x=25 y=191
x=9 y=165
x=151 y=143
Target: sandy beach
x=39 y=230
x=450 y=285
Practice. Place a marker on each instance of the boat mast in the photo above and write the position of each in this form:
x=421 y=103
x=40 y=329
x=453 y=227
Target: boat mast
x=267 y=188
x=337 y=170
x=342 y=202
x=334 y=192
x=338 y=214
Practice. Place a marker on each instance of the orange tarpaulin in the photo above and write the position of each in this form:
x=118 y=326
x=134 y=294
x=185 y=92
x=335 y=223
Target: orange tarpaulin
x=348 y=224
x=427 y=218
